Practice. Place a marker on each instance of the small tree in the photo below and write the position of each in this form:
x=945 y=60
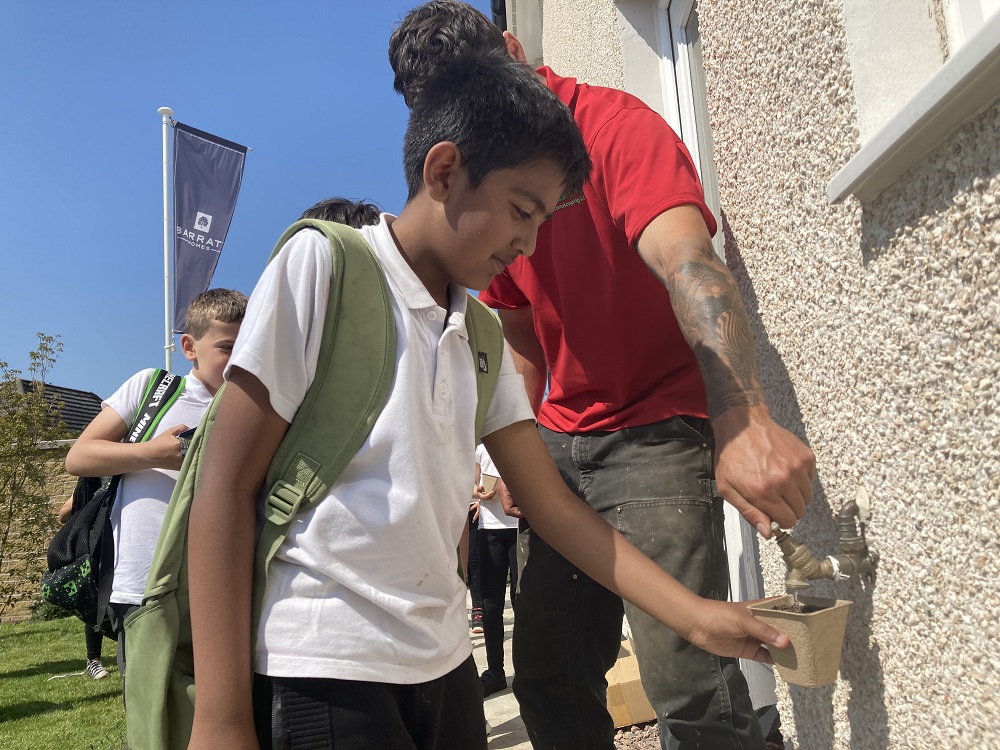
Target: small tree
x=28 y=421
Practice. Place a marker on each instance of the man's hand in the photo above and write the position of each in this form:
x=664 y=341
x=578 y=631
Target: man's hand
x=474 y=509
x=762 y=470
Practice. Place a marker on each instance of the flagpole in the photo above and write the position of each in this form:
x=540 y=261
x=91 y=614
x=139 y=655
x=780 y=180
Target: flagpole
x=168 y=342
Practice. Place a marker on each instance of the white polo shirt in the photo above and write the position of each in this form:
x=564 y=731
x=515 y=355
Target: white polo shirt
x=141 y=505
x=491 y=515
x=365 y=586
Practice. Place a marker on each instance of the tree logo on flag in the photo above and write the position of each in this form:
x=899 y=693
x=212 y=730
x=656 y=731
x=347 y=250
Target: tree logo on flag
x=203 y=222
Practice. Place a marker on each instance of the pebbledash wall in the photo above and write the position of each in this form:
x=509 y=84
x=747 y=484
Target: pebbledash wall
x=877 y=324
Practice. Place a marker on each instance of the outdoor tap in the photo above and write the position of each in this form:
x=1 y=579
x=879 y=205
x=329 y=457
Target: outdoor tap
x=802 y=565
x=857 y=559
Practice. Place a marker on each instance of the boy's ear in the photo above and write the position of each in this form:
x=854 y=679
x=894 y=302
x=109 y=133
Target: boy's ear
x=514 y=48
x=440 y=167
x=187 y=347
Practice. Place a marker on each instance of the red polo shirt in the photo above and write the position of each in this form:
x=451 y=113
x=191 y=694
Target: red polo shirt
x=615 y=354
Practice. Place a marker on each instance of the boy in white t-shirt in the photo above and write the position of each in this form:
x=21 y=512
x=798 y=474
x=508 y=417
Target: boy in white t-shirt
x=211 y=321
x=362 y=640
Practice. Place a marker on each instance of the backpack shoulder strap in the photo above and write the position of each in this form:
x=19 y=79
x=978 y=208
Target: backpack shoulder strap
x=162 y=390
x=354 y=374
x=486 y=342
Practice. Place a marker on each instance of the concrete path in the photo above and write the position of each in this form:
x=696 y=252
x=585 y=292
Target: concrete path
x=501 y=708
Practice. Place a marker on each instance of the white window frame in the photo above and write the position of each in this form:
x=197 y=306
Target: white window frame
x=974 y=13
x=962 y=88
x=685 y=108
x=524 y=19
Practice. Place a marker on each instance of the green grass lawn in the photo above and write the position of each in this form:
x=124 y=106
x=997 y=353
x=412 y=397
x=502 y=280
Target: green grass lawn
x=40 y=710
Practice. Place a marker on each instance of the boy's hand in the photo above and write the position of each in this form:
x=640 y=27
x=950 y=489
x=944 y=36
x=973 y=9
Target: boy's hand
x=475 y=507
x=164 y=451
x=479 y=492
x=728 y=629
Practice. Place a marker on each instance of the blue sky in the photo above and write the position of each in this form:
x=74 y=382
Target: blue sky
x=306 y=85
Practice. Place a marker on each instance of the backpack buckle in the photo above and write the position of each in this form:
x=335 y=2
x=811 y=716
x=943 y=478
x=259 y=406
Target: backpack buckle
x=283 y=502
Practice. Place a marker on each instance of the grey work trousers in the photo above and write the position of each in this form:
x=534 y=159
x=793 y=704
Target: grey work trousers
x=655 y=485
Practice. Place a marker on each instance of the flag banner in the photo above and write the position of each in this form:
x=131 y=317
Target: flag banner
x=208 y=171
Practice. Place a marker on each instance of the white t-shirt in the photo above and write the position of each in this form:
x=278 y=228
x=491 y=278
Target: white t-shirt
x=141 y=503
x=365 y=586
x=491 y=515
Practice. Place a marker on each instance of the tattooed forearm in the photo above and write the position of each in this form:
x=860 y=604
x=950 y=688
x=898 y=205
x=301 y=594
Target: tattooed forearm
x=712 y=318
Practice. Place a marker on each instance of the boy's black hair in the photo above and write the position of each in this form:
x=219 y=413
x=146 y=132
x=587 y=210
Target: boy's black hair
x=222 y=305
x=355 y=214
x=431 y=35
x=499 y=114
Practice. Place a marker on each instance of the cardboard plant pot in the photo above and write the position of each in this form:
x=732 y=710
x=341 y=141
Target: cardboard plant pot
x=489 y=482
x=817 y=635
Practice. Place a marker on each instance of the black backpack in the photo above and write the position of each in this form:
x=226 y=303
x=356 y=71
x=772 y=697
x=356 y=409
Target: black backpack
x=81 y=556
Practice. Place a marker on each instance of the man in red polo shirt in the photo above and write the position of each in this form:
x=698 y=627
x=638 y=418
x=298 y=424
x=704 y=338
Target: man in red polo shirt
x=654 y=412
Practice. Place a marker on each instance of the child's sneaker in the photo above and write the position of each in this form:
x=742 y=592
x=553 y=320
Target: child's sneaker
x=492 y=682
x=477 y=621
x=96 y=670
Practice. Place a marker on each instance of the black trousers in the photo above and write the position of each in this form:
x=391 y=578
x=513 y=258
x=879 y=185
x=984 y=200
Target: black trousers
x=95 y=641
x=497 y=560
x=310 y=714
x=118 y=614
x=473 y=567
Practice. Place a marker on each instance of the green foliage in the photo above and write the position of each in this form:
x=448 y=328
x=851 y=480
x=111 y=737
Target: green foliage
x=43 y=611
x=44 y=703
x=27 y=423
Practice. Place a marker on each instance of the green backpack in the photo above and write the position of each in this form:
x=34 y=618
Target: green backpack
x=354 y=375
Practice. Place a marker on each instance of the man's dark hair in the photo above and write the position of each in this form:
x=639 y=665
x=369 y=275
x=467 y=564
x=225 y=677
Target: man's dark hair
x=433 y=34
x=355 y=214
x=499 y=114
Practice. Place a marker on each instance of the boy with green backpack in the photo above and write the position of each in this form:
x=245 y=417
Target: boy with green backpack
x=357 y=637
x=149 y=467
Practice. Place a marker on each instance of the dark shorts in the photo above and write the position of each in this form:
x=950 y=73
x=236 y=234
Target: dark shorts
x=303 y=713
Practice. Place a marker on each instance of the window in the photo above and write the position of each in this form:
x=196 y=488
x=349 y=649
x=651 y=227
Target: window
x=684 y=95
x=965 y=17
x=682 y=76
x=957 y=90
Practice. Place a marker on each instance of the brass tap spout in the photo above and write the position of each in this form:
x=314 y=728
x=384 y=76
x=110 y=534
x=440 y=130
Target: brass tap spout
x=801 y=563
x=803 y=567
x=857 y=560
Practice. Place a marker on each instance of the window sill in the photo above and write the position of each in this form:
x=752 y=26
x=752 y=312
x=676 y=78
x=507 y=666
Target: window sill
x=963 y=87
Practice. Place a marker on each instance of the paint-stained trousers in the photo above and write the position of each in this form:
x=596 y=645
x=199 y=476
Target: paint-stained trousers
x=655 y=485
